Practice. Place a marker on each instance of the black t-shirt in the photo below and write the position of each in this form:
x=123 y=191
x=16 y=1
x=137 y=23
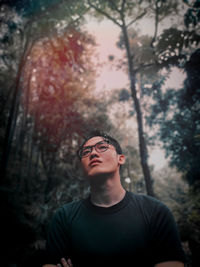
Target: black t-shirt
x=137 y=231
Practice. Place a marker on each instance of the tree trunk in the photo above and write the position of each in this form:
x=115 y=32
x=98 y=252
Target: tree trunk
x=12 y=119
x=142 y=142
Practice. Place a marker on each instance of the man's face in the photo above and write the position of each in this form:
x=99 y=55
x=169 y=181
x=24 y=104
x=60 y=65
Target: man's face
x=101 y=163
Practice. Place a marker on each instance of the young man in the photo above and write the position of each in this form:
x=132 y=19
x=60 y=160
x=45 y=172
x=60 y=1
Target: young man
x=112 y=227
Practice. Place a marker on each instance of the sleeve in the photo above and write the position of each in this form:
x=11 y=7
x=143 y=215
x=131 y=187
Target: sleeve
x=164 y=237
x=58 y=241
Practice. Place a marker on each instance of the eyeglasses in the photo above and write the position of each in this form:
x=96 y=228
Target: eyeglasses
x=100 y=147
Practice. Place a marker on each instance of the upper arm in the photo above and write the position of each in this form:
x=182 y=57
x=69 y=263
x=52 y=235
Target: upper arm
x=58 y=243
x=165 y=242
x=170 y=264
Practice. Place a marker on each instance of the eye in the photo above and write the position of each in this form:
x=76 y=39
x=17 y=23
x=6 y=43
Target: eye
x=102 y=146
x=85 y=152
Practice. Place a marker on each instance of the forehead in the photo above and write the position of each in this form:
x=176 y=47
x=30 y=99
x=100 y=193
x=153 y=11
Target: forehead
x=92 y=141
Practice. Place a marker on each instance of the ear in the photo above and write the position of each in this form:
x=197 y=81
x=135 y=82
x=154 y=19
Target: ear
x=121 y=159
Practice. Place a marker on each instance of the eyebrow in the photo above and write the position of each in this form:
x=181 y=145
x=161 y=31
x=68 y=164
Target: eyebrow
x=94 y=144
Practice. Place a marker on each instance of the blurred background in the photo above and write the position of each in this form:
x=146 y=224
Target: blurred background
x=130 y=68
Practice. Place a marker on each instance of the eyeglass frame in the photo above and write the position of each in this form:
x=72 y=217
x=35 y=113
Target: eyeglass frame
x=91 y=148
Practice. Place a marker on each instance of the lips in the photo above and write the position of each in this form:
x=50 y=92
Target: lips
x=93 y=162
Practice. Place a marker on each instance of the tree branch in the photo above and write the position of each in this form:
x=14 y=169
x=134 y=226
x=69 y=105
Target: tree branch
x=156 y=24
x=191 y=6
x=114 y=5
x=122 y=7
x=138 y=17
x=104 y=13
x=142 y=66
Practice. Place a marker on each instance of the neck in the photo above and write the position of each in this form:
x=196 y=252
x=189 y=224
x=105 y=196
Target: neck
x=107 y=193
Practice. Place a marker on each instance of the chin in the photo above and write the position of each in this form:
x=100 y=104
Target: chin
x=95 y=175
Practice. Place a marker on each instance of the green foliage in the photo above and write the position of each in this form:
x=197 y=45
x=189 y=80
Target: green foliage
x=11 y=34
x=193 y=219
x=188 y=222
x=143 y=55
x=171 y=189
x=41 y=176
x=184 y=203
x=118 y=11
x=124 y=95
x=40 y=180
x=131 y=174
x=178 y=115
x=192 y=16
x=170 y=49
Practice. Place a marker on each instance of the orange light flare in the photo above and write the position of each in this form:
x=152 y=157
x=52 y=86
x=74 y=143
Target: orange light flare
x=57 y=76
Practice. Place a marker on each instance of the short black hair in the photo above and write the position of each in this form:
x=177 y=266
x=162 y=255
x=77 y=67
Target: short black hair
x=106 y=136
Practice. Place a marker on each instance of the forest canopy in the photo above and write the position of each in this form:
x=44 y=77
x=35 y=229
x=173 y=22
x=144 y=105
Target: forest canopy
x=49 y=101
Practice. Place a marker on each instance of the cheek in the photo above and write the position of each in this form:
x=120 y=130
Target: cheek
x=84 y=164
x=111 y=158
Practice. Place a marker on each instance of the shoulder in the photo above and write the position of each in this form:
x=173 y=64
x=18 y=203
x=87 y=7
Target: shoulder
x=67 y=211
x=145 y=201
x=149 y=206
x=144 y=198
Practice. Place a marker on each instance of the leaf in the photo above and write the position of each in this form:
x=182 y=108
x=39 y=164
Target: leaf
x=124 y=95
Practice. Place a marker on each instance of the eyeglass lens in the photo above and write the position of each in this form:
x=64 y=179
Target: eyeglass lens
x=99 y=147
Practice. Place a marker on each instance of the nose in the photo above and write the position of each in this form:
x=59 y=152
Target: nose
x=93 y=153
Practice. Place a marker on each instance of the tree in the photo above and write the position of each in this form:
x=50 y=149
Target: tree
x=184 y=203
x=42 y=169
x=131 y=172
x=116 y=11
x=56 y=78
x=55 y=109
x=18 y=36
x=177 y=114
x=12 y=37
